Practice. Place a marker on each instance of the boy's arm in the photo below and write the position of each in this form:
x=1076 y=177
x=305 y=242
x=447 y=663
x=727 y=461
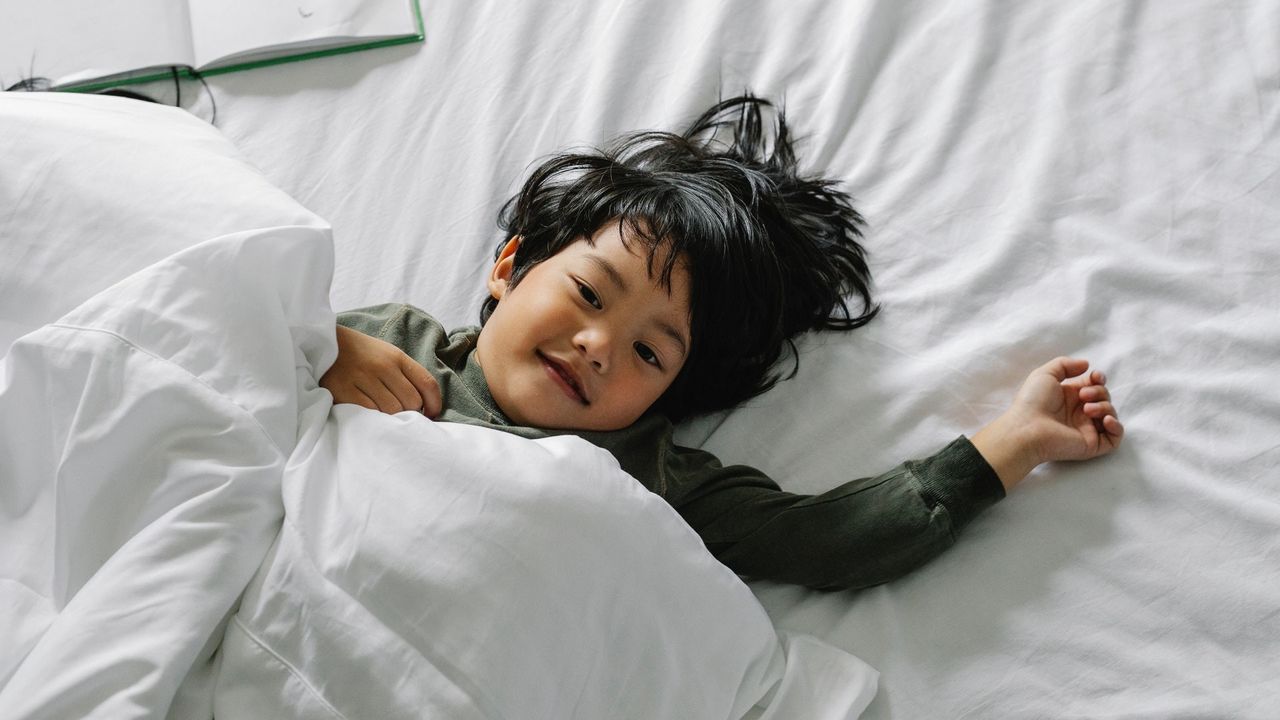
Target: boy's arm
x=873 y=530
x=862 y=533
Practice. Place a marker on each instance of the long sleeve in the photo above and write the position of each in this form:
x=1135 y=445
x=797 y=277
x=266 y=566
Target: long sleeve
x=862 y=533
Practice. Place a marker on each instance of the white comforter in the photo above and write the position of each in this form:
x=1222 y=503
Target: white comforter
x=156 y=437
x=145 y=435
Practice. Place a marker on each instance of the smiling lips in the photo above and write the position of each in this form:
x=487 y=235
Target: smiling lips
x=564 y=377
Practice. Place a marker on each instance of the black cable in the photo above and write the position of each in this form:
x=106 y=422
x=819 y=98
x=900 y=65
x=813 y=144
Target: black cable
x=42 y=84
x=212 y=101
x=31 y=84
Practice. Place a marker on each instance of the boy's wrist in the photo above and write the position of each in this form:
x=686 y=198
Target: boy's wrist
x=1007 y=446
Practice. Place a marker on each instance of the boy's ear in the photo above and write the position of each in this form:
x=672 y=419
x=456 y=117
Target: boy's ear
x=500 y=275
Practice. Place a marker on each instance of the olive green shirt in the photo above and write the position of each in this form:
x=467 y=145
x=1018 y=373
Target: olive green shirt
x=864 y=532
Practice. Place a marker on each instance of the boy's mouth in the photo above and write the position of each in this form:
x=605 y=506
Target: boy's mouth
x=564 y=376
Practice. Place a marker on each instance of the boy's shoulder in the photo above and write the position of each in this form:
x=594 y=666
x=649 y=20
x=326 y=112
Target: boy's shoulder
x=414 y=330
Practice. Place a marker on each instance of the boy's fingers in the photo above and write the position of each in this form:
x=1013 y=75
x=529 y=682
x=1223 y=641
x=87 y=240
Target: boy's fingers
x=1114 y=428
x=407 y=397
x=347 y=393
x=1094 y=393
x=1099 y=410
x=355 y=397
x=426 y=387
x=383 y=399
x=1065 y=367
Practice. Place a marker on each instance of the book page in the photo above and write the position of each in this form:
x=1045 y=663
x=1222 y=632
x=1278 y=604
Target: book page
x=74 y=40
x=222 y=31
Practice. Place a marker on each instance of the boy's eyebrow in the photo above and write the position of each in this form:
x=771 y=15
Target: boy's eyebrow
x=608 y=269
x=675 y=335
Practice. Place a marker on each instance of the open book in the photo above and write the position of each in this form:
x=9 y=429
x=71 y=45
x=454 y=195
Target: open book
x=87 y=44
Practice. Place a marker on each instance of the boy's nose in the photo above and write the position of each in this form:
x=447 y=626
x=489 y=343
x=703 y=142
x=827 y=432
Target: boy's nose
x=594 y=345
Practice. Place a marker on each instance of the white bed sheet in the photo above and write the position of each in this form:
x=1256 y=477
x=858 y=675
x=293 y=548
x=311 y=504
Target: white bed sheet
x=1041 y=178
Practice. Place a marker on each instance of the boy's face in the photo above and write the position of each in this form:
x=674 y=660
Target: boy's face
x=587 y=339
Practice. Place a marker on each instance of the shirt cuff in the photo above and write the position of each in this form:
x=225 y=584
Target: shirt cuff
x=960 y=479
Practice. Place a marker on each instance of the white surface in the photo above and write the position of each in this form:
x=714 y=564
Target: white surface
x=1093 y=178
x=235 y=32
x=67 y=41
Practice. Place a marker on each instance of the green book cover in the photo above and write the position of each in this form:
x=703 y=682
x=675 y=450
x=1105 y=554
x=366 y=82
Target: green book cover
x=87 y=45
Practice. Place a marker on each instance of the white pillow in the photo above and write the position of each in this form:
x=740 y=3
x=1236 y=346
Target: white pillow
x=95 y=188
x=449 y=571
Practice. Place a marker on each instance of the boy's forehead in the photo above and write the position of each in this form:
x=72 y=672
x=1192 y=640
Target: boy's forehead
x=631 y=251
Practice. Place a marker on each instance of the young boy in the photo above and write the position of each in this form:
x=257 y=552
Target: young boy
x=663 y=277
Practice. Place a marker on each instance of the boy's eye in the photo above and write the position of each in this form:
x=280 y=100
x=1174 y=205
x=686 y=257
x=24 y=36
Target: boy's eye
x=589 y=295
x=647 y=354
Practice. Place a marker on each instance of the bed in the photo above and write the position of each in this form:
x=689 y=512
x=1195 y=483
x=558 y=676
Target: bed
x=1092 y=178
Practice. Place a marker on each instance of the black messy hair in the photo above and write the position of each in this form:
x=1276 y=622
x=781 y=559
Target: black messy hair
x=770 y=253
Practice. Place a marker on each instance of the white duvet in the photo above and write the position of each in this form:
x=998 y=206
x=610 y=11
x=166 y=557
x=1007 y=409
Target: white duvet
x=190 y=528
x=145 y=435
x=449 y=571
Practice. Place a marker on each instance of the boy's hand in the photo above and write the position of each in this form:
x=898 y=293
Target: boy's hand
x=1061 y=412
x=375 y=374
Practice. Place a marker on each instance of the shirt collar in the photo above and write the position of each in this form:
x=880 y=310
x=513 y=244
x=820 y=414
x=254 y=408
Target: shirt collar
x=473 y=379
